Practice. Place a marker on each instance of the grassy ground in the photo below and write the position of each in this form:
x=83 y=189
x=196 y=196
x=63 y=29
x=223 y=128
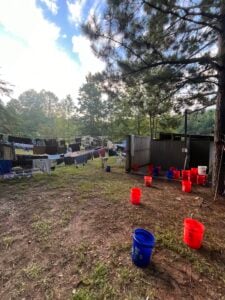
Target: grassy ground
x=68 y=236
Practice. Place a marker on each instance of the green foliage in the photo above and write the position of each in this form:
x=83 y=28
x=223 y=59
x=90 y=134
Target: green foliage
x=162 y=45
x=41 y=114
x=202 y=122
x=92 y=108
x=132 y=111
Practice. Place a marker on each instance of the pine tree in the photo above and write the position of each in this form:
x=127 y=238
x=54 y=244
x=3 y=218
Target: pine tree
x=174 y=44
x=91 y=107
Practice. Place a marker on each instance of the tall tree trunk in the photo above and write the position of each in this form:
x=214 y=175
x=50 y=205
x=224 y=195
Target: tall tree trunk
x=218 y=179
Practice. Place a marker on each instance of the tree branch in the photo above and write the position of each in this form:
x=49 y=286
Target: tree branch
x=123 y=45
x=168 y=11
x=204 y=14
x=200 y=60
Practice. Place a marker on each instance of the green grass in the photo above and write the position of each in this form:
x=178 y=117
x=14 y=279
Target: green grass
x=82 y=294
x=97 y=285
x=33 y=271
x=81 y=254
x=126 y=275
x=66 y=217
x=99 y=275
x=20 y=287
x=7 y=241
x=169 y=239
x=42 y=228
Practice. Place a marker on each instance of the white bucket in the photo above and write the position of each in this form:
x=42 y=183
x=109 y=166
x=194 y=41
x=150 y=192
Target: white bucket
x=202 y=170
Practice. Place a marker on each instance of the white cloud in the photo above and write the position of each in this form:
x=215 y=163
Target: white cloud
x=30 y=56
x=95 y=10
x=52 y=5
x=89 y=62
x=26 y=22
x=76 y=11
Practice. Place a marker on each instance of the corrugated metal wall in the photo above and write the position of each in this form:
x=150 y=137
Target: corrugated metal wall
x=140 y=150
x=167 y=153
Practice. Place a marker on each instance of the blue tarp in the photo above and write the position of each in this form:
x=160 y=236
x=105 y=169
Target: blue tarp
x=55 y=156
x=5 y=166
x=81 y=159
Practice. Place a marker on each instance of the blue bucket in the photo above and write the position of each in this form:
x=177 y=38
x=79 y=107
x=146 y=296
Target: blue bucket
x=143 y=244
x=169 y=174
x=156 y=171
x=108 y=169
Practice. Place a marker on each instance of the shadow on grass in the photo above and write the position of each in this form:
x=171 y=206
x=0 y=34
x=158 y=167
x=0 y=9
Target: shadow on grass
x=154 y=187
x=216 y=255
x=156 y=271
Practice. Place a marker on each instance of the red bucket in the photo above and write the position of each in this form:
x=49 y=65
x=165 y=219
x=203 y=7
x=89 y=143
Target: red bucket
x=193 y=175
x=176 y=174
x=201 y=179
x=148 y=180
x=135 y=196
x=193 y=233
x=194 y=171
x=172 y=169
x=186 y=186
x=186 y=174
x=150 y=169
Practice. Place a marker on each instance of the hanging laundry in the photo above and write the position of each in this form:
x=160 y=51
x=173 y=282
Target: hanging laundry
x=7 y=152
x=101 y=152
x=21 y=140
x=51 y=149
x=61 y=149
x=39 y=150
x=23 y=146
x=69 y=160
x=95 y=153
x=81 y=159
x=42 y=164
x=75 y=147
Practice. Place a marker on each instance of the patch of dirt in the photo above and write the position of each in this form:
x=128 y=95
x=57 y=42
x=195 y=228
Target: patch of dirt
x=52 y=240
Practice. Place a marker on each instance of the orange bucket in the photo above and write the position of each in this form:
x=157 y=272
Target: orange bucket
x=193 y=233
x=135 y=196
x=186 y=186
x=176 y=174
x=201 y=179
x=186 y=174
x=148 y=180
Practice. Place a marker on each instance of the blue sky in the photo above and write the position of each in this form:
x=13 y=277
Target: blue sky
x=41 y=44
